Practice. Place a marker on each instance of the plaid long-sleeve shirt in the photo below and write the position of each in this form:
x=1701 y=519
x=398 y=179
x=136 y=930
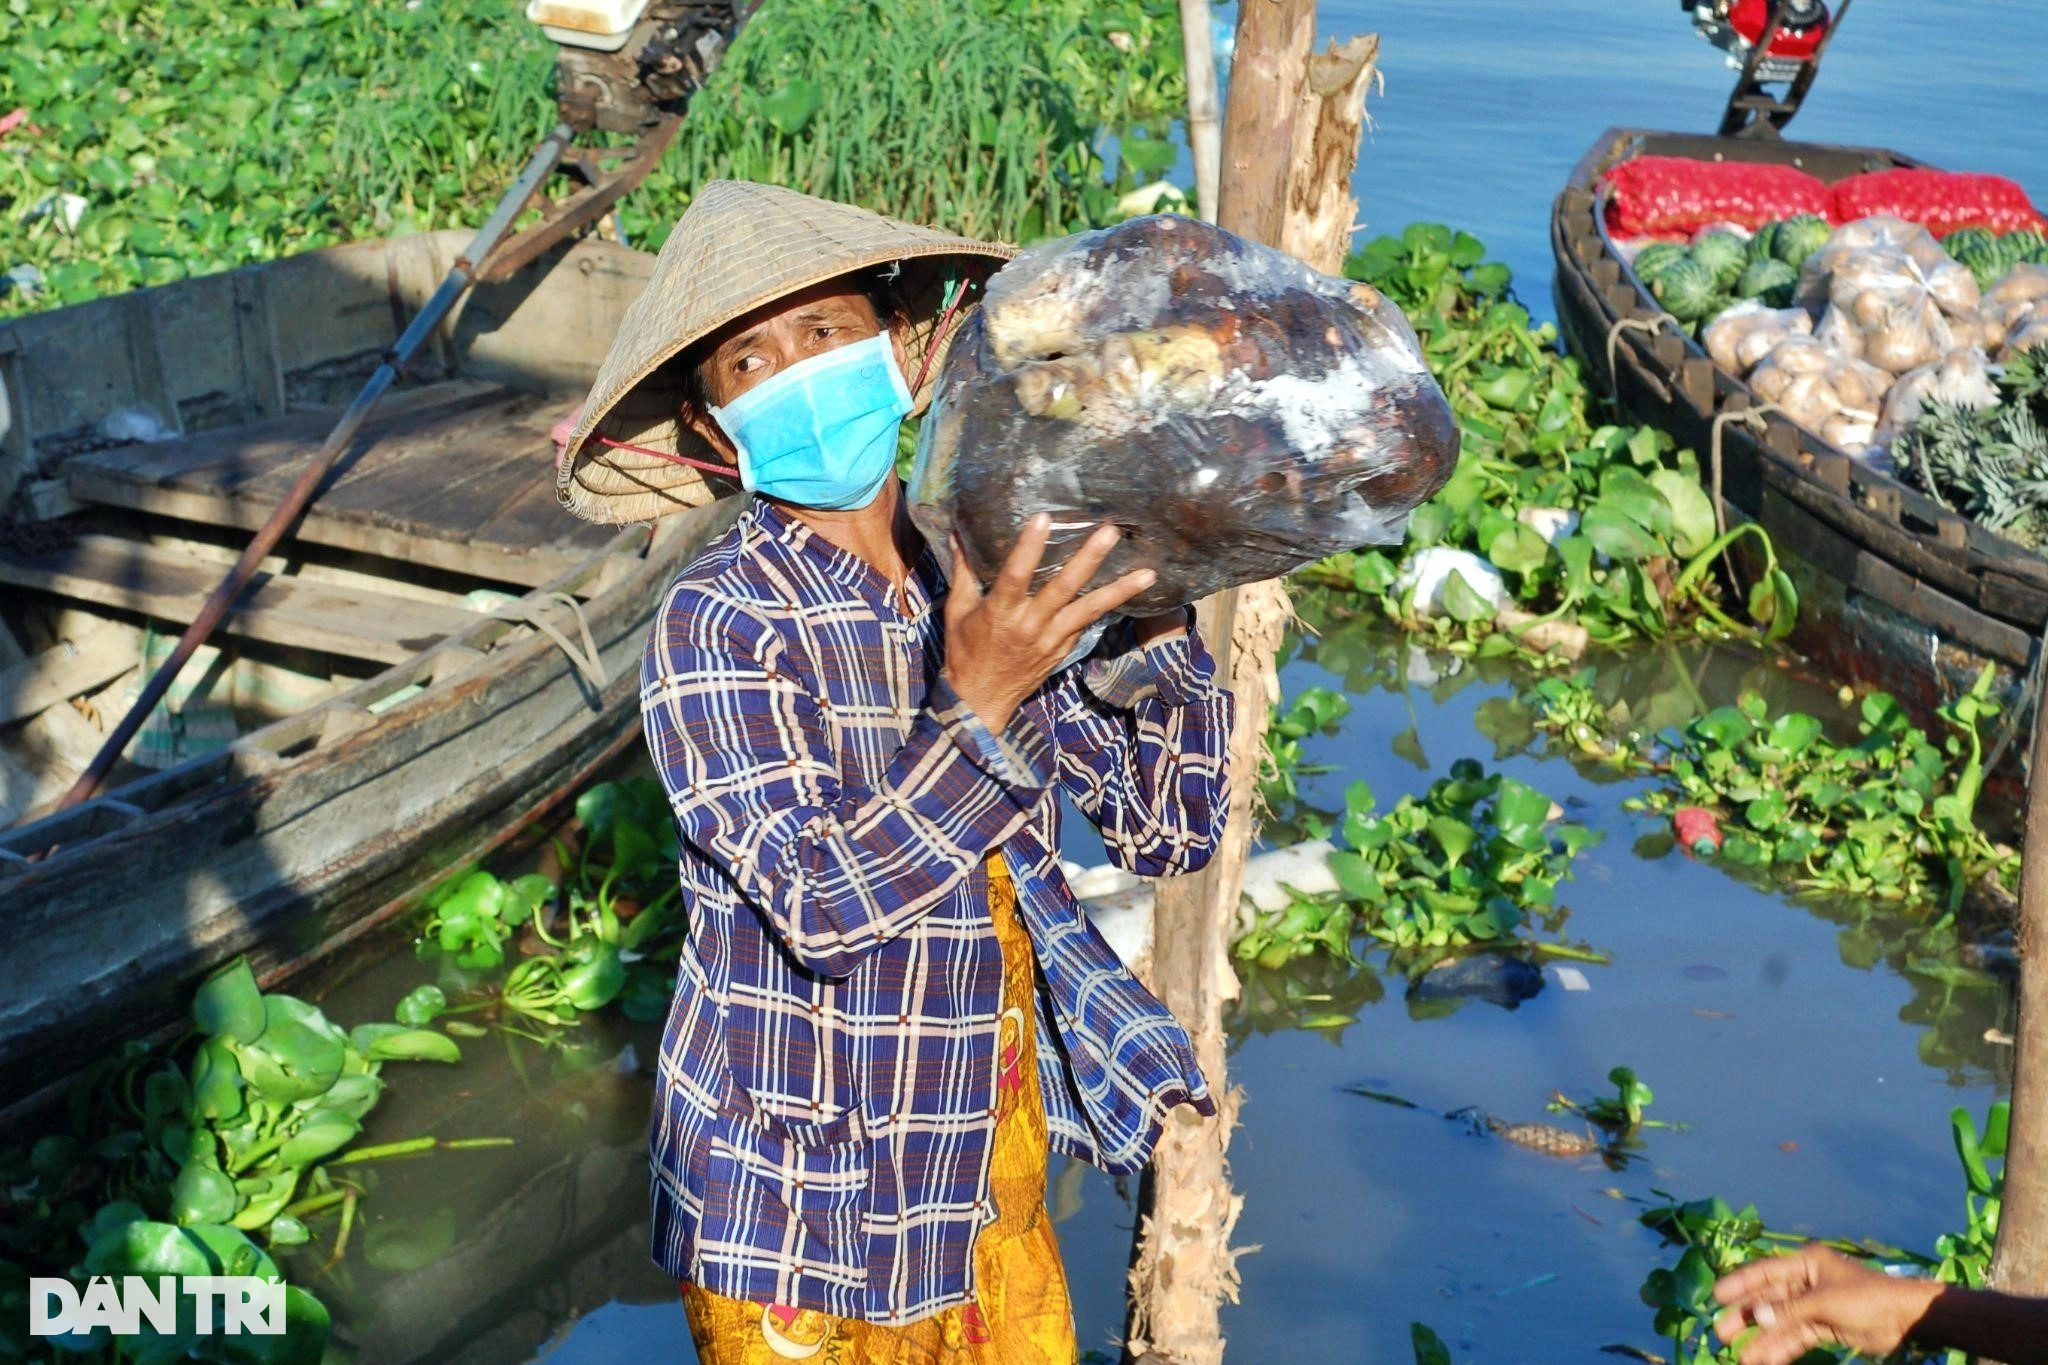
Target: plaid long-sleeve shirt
x=826 y=1092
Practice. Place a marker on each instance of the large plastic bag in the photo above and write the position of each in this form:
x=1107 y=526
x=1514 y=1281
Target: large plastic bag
x=1882 y=231
x=1740 y=337
x=1892 y=295
x=1836 y=396
x=1943 y=200
x=2029 y=333
x=1235 y=413
x=1962 y=377
x=1668 y=194
x=2015 y=311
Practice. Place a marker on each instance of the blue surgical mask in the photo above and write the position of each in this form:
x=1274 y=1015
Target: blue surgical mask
x=823 y=432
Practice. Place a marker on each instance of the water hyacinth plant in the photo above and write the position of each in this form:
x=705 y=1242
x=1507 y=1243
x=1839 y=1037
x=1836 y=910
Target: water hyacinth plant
x=1717 y=1238
x=1890 y=817
x=170 y=1167
x=1557 y=530
x=1467 y=863
x=1473 y=861
x=1312 y=711
x=599 y=936
x=163 y=140
x=1619 y=1114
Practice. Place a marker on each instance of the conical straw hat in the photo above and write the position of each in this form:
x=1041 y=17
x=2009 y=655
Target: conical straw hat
x=739 y=245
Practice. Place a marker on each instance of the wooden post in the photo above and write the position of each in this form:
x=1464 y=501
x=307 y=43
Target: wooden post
x=2020 y=1263
x=1205 y=123
x=1286 y=178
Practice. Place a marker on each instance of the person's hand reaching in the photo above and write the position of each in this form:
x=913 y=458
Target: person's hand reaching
x=1816 y=1297
x=1000 y=645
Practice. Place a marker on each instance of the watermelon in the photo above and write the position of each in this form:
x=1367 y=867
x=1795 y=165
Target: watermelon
x=2007 y=252
x=1652 y=259
x=1686 y=289
x=1723 y=254
x=1797 y=238
x=1760 y=241
x=2025 y=244
x=1986 y=256
x=1770 y=280
x=1967 y=239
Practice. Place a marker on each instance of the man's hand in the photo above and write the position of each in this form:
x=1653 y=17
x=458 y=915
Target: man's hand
x=1001 y=645
x=1817 y=1298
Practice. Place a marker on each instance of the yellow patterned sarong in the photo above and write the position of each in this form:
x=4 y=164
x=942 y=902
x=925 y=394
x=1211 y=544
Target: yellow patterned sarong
x=1021 y=1314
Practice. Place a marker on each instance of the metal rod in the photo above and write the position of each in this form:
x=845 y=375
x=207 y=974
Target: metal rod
x=585 y=206
x=538 y=167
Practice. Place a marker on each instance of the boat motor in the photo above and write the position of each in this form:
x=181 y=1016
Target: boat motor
x=622 y=64
x=1771 y=42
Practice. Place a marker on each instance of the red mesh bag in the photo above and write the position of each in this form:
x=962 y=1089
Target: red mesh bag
x=1941 y=200
x=1674 y=194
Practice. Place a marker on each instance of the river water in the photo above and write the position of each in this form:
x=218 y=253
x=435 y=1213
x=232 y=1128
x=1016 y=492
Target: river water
x=1811 y=1080
x=1490 y=103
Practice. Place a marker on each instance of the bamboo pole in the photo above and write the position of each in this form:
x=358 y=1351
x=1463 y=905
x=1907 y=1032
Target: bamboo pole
x=2020 y=1263
x=1205 y=123
x=1286 y=178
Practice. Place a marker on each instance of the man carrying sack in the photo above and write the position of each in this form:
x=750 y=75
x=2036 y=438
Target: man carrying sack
x=889 y=1007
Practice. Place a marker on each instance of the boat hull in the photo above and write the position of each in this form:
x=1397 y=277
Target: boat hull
x=306 y=835
x=1896 y=592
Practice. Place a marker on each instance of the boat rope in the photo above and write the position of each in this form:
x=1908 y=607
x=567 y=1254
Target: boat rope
x=1647 y=326
x=528 y=610
x=1749 y=417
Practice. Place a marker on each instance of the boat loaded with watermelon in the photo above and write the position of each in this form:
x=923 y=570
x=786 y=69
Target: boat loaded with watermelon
x=1856 y=344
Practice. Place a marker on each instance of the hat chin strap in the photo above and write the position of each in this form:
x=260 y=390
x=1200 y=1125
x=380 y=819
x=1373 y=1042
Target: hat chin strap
x=705 y=465
x=938 y=335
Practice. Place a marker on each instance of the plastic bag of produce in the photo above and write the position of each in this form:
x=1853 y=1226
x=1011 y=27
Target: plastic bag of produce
x=1742 y=336
x=1878 y=231
x=2007 y=301
x=1975 y=329
x=1837 y=333
x=1666 y=194
x=1890 y=282
x=1961 y=377
x=1835 y=396
x=1943 y=200
x=2029 y=332
x=1236 y=413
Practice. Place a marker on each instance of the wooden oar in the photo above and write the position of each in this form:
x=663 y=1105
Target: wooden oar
x=546 y=156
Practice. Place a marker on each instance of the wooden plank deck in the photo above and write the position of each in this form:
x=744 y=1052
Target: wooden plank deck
x=311 y=614
x=456 y=475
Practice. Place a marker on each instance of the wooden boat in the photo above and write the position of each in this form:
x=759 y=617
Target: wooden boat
x=1895 y=590
x=438 y=653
